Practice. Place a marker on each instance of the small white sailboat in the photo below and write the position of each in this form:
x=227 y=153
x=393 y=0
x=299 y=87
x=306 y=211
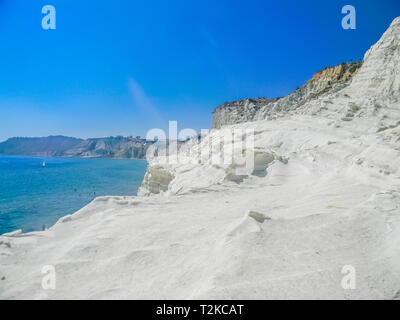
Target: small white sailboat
x=43 y=163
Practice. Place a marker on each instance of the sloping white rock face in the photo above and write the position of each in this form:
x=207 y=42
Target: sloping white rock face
x=380 y=74
x=322 y=196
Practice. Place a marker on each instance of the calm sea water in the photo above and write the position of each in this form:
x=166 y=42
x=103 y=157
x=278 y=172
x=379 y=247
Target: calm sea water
x=33 y=195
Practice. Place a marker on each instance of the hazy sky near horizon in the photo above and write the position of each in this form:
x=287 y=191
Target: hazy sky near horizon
x=123 y=67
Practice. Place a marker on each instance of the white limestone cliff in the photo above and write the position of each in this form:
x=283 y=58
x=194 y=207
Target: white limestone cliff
x=322 y=196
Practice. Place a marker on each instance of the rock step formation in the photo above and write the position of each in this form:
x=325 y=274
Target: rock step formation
x=323 y=198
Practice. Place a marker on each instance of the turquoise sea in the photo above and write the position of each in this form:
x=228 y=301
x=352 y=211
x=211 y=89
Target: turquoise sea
x=36 y=192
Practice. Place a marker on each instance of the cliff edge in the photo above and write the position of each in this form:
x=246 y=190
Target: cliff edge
x=325 y=81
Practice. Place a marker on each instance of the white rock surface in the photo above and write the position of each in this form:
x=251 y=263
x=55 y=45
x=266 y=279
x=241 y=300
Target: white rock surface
x=329 y=198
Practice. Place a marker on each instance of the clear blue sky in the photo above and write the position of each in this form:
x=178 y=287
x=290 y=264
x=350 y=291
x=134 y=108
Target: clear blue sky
x=122 y=67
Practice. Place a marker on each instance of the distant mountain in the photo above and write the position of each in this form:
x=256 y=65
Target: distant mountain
x=46 y=146
x=60 y=146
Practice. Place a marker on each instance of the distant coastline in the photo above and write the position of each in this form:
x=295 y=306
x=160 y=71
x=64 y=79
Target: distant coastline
x=66 y=158
x=68 y=147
